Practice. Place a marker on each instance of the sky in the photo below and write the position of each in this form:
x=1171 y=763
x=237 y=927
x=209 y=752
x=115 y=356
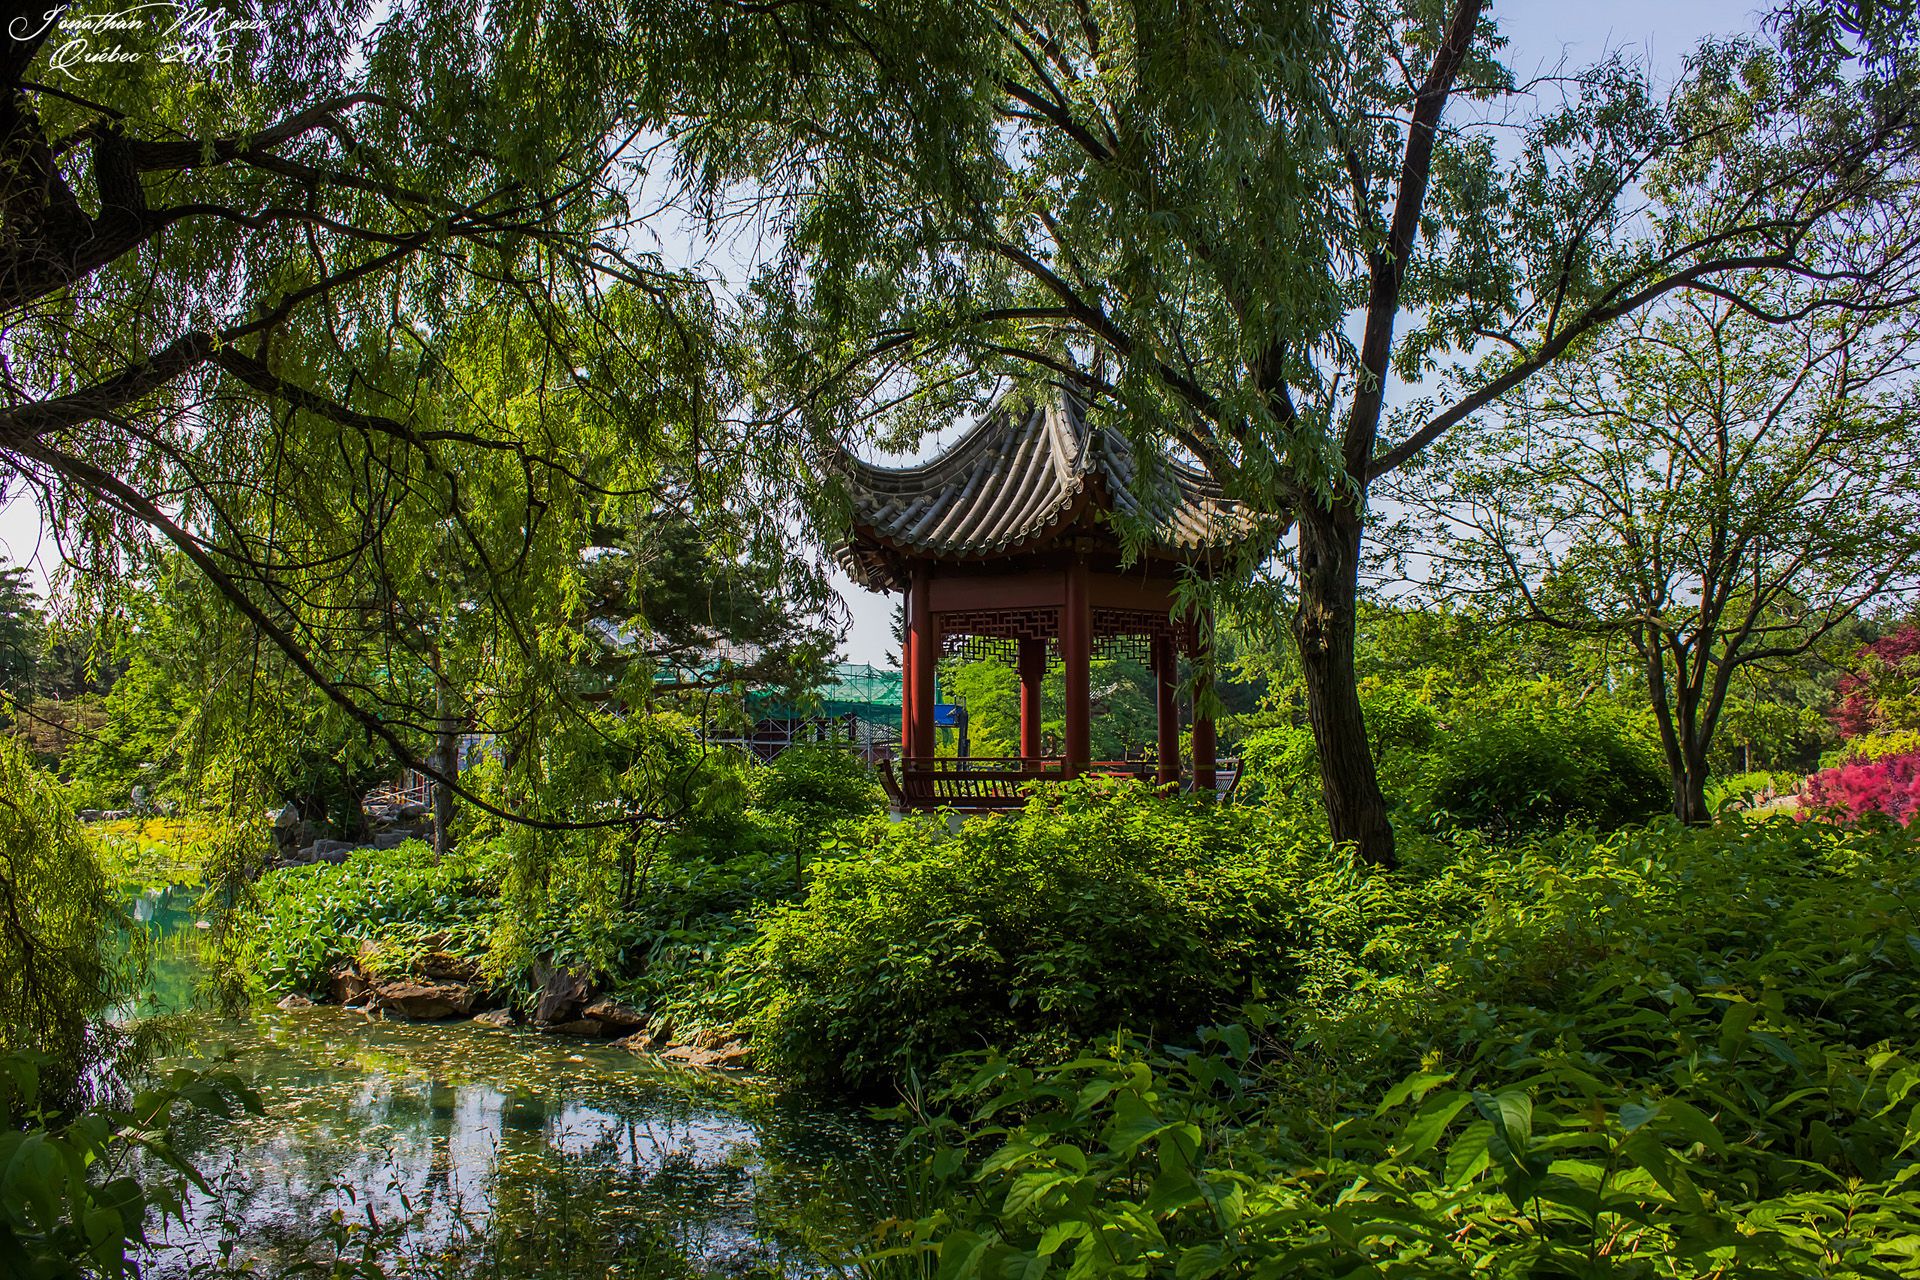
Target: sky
x=1541 y=34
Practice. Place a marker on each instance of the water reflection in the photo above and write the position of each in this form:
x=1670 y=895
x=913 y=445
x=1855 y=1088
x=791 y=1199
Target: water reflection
x=460 y=1150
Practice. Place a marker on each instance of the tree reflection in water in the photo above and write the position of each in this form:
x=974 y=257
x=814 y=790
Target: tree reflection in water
x=459 y=1151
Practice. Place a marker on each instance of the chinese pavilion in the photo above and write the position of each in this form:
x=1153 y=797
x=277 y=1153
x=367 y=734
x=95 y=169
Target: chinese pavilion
x=1006 y=545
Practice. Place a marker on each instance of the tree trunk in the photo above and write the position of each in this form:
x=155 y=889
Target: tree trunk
x=1324 y=625
x=1690 y=790
x=446 y=762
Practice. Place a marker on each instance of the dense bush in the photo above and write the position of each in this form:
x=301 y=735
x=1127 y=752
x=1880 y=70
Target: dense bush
x=1520 y=758
x=818 y=782
x=1890 y=785
x=1096 y=908
x=1508 y=758
x=1672 y=1053
x=303 y=920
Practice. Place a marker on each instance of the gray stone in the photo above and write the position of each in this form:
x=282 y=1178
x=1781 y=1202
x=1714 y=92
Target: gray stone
x=391 y=839
x=497 y=1018
x=295 y=1001
x=335 y=851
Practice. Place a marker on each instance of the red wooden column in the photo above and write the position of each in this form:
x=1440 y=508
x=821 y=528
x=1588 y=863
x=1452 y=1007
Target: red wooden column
x=1076 y=656
x=1166 y=679
x=1204 y=776
x=1033 y=679
x=918 y=702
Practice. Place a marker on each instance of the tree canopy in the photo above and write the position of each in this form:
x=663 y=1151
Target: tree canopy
x=1239 y=228
x=1708 y=487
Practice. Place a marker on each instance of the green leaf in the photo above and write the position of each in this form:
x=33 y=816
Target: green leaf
x=1200 y=1262
x=1424 y=1128
x=1173 y=1190
x=1058 y=1234
x=1468 y=1154
x=1511 y=1112
x=1414 y=1086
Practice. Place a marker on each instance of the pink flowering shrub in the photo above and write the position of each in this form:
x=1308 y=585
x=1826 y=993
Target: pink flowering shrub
x=1890 y=786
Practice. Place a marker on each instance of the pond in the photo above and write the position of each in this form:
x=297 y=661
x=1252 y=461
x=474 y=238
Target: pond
x=457 y=1150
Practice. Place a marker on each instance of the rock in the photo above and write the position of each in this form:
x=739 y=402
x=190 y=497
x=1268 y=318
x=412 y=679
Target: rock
x=621 y=1019
x=334 y=851
x=426 y=1001
x=638 y=1042
x=295 y=1001
x=588 y=1028
x=92 y=815
x=412 y=809
x=391 y=839
x=731 y=1054
x=500 y=1019
x=446 y=967
x=347 y=987
x=561 y=994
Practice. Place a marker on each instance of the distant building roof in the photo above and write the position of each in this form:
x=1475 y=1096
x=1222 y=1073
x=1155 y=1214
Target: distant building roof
x=1024 y=477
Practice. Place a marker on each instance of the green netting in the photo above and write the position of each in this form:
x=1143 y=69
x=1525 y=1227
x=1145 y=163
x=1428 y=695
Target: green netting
x=854 y=689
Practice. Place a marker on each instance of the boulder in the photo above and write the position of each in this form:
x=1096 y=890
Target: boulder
x=562 y=994
x=446 y=967
x=620 y=1019
x=334 y=851
x=639 y=1042
x=295 y=1001
x=586 y=1028
x=732 y=1054
x=391 y=839
x=426 y=1001
x=347 y=987
x=499 y=1019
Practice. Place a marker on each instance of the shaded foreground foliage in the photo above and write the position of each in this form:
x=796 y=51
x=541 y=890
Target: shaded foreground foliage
x=1668 y=1053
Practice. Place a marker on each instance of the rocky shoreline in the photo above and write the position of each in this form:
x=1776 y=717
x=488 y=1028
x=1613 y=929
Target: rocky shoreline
x=438 y=986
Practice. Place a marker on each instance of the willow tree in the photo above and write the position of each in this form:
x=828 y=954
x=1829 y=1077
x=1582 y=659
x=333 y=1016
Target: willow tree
x=347 y=312
x=1237 y=227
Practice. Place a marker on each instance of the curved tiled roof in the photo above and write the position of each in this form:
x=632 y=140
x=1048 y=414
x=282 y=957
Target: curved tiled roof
x=1024 y=475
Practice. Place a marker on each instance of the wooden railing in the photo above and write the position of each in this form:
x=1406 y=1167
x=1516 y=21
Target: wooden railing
x=989 y=782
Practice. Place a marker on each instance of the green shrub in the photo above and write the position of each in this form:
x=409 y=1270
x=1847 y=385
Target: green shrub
x=1096 y=907
x=1521 y=758
x=303 y=920
x=818 y=782
x=1507 y=758
x=1737 y=789
x=1673 y=1052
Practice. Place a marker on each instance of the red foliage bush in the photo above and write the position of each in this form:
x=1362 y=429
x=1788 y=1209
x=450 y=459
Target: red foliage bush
x=1890 y=786
x=1858 y=710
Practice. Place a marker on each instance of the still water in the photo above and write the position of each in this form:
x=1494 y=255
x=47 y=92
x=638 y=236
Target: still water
x=458 y=1150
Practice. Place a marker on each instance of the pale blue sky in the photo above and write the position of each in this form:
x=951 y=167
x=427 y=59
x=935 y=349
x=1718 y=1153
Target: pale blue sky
x=1541 y=34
